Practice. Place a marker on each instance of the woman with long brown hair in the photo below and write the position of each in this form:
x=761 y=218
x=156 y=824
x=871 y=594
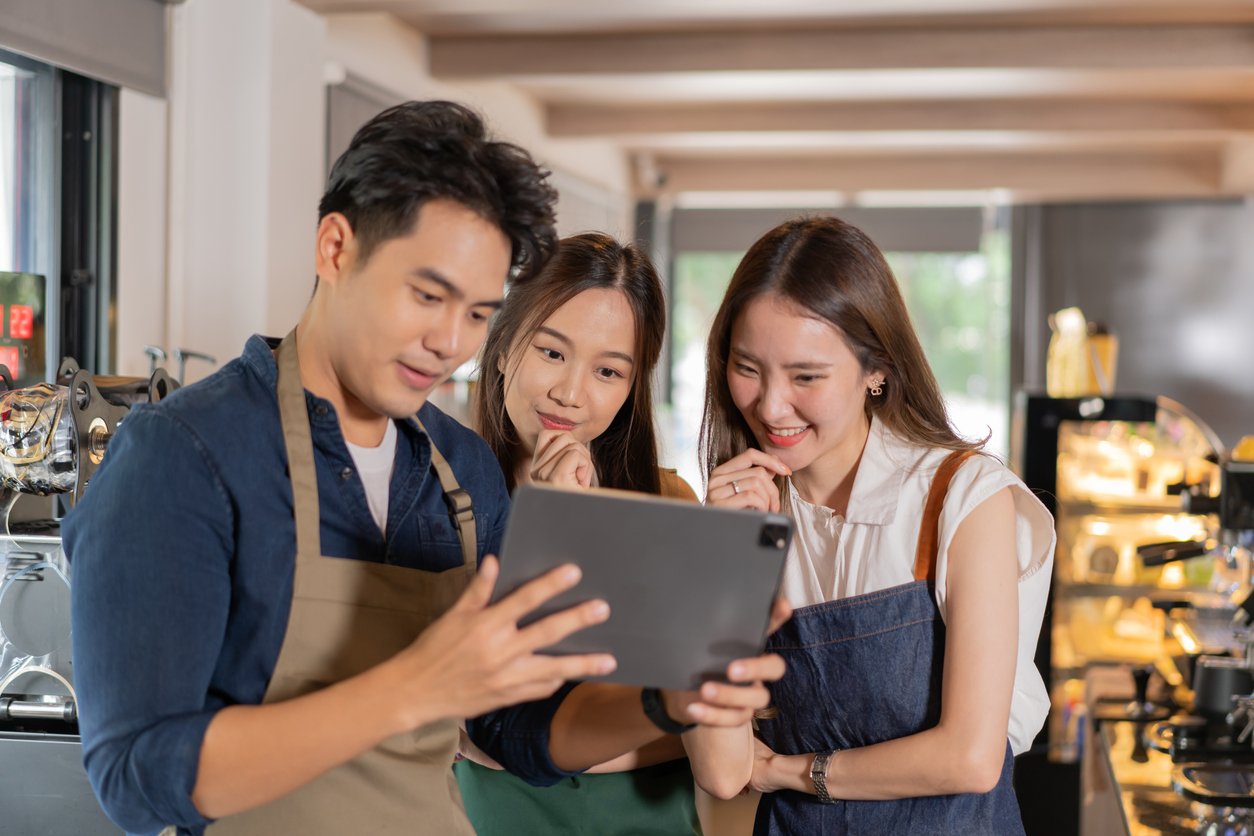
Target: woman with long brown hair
x=920 y=566
x=533 y=389
x=564 y=397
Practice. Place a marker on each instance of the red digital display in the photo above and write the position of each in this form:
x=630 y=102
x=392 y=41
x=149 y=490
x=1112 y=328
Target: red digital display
x=10 y=356
x=21 y=322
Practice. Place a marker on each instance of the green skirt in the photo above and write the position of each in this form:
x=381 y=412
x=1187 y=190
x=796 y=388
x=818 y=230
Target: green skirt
x=651 y=801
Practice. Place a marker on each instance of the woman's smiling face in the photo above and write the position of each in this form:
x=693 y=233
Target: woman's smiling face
x=796 y=382
x=576 y=371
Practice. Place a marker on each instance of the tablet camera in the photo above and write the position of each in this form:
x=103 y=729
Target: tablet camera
x=774 y=536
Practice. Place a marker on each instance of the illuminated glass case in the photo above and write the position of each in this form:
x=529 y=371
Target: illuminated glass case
x=1112 y=471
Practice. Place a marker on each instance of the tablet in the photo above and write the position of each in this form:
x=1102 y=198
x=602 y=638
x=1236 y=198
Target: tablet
x=690 y=588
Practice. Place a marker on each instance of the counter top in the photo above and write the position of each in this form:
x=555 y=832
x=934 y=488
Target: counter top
x=1140 y=778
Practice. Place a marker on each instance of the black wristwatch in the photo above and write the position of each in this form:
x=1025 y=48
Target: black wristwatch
x=651 y=700
x=818 y=776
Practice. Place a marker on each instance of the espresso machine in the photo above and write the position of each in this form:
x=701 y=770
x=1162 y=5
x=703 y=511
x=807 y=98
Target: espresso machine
x=1193 y=771
x=53 y=436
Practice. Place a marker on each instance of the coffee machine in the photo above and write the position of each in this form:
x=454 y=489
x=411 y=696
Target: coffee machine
x=52 y=439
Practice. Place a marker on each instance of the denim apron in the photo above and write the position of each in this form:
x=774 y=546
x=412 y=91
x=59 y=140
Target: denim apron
x=347 y=616
x=863 y=670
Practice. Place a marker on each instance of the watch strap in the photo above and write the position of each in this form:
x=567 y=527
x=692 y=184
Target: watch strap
x=651 y=701
x=818 y=776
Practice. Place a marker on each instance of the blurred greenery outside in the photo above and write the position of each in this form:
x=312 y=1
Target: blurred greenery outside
x=959 y=304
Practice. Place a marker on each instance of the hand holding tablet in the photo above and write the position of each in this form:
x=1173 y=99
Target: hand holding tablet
x=690 y=588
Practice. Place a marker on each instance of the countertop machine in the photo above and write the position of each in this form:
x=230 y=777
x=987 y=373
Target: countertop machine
x=52 y=439
x=1184 y=762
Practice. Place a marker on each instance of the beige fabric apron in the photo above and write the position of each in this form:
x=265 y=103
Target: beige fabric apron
x=347 y=616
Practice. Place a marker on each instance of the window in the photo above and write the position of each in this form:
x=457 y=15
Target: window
x=26 y=165
x=58 y=171
x=960 y=306
x=28 y=208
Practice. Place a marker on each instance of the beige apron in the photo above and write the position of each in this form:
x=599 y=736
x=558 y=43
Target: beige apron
x=347 y=616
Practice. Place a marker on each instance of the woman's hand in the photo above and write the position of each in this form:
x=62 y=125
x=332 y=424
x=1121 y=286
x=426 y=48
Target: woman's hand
x=720 y=749
x=561 y=459
x=732 y=703
x=773 y=772
x=761 y=778
x=746 y=481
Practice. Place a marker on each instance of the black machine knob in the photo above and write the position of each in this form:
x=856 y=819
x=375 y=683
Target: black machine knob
x=1141 y=708
x=1156 y=554
x=1140 y=680
x=1194 y=501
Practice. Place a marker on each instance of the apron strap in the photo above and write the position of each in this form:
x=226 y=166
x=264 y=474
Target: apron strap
x=294 y=413
x=929 y=532
x=460 y=505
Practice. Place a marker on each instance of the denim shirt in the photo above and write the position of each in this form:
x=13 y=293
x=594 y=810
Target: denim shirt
x=182 y=553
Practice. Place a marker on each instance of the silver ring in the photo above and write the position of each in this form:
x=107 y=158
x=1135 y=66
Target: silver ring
x=735 y=487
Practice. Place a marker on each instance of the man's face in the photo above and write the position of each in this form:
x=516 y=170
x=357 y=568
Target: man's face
x=417 y=309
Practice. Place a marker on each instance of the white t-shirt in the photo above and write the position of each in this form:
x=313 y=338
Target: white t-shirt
x=873 y=547
x=374 y=467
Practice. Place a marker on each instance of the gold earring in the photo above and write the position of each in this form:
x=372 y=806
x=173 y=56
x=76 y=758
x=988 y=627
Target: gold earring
x=877 y=388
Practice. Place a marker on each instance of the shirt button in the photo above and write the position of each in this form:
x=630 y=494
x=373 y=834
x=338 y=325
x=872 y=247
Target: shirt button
x=346 y=473
x=320 y=411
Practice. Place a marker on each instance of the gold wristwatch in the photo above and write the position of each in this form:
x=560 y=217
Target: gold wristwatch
x=818 y=776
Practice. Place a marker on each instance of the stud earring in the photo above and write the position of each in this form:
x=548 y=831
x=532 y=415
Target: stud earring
x=877 y=388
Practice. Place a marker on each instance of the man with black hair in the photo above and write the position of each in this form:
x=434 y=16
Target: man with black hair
x=281 y=573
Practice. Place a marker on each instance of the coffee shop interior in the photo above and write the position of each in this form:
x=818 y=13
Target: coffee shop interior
x=1064 y=190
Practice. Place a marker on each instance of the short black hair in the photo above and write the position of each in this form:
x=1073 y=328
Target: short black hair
x=419 y=151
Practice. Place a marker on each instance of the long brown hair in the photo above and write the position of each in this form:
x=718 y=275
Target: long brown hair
x=625 y=455
x=832 y=270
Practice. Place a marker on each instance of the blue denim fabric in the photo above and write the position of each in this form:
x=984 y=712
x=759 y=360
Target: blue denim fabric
x=863 y=670
x=182 y=553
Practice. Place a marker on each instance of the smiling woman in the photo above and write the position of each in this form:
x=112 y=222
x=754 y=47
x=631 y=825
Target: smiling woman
x=574 y=373
x=920 y=568
x=573 y=353
x=565 y=398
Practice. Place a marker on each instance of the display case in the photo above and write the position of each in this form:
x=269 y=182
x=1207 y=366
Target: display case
x=1113 y=471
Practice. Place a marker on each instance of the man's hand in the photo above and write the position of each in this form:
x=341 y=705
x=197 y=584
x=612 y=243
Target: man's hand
x=475 y=659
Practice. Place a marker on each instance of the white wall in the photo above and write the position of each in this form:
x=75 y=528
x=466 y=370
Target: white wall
x=219 y=183
x=245 y=133
x=142 y=229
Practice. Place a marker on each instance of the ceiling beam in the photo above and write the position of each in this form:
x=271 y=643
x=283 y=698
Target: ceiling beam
x=581 y=120
x=1027 y=176
x=846 y=48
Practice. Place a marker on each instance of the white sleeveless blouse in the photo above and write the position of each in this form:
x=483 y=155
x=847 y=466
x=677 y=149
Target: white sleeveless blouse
x=873 y=547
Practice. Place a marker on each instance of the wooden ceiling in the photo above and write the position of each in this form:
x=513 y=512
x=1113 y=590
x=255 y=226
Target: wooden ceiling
x=1038 y=99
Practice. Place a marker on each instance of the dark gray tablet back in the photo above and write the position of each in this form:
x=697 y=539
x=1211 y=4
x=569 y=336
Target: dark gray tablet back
x=690 y=588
